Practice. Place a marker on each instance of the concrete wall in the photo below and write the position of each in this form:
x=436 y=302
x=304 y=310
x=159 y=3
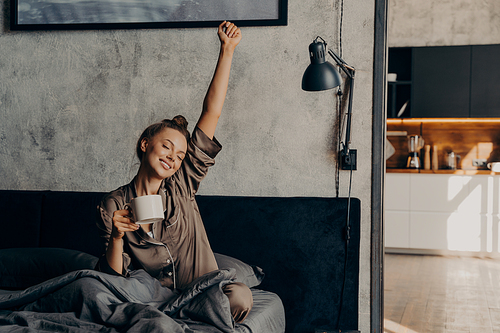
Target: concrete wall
x=72 y=104
x=448 y=22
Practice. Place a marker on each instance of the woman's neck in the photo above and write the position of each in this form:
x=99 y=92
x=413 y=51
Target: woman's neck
x=145 y=184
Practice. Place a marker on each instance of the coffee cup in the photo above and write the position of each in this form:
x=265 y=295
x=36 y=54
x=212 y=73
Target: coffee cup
x=494 y=166
x=146 y=209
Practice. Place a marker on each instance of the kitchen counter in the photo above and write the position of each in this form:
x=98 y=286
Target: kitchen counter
x=442 y=212
x=444 y=171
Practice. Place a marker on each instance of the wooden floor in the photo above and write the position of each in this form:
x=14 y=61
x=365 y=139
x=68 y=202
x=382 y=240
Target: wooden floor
x=441 y=294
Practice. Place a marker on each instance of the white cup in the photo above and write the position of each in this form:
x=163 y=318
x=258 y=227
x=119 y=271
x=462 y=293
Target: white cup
x=146 y=209
x=495 y=166
x=391 y=77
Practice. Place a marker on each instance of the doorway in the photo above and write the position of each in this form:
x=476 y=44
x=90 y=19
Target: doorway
x=441 y=291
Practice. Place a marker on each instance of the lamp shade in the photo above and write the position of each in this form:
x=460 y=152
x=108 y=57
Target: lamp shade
x=320 y=74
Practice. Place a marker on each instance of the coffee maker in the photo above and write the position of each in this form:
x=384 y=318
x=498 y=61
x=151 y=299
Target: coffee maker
x=415 y=143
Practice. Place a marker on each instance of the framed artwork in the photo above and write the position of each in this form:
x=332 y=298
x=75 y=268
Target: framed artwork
x=144 y=14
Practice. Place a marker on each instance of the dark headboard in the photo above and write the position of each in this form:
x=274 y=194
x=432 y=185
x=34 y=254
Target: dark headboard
x=299 y=243
x=50 y=219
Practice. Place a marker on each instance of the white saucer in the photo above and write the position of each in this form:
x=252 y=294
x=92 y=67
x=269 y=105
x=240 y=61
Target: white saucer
x=149 y=221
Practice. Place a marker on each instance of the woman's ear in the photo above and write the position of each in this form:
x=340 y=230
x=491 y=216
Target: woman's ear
x=144 y=144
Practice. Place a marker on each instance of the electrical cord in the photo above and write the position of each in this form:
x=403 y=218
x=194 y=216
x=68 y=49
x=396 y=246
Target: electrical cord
x=347 y=231
x=341 y=23
x=337 y=166
x=339 y=103
x=347 y=239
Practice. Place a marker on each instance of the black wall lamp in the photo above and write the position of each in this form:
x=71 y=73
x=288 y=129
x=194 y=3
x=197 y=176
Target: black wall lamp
x=322 y=75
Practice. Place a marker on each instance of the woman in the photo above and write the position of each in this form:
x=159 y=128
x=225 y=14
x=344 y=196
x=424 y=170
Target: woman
x=175 y=251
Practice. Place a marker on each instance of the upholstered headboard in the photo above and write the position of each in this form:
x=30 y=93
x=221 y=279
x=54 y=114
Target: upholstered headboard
x=299 y=242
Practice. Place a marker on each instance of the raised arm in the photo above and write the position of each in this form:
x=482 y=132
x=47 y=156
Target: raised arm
x=230 y=36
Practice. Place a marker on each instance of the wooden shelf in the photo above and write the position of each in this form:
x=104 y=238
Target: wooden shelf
x=444 y=172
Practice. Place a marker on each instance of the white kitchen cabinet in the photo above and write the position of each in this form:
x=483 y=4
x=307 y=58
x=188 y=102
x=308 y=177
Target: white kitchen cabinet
x=398 y=198
x=443 y=212
x=486 y=191
x=397 y=229
x=437 y=193
x=467 y=232
x=455 y=231
x=428 y=230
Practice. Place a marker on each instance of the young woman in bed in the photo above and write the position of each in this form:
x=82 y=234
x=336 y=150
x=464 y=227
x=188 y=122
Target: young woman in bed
x=175 y=251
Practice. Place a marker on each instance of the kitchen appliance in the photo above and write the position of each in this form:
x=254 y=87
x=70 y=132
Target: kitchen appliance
x=452 y=160
x=415 y=143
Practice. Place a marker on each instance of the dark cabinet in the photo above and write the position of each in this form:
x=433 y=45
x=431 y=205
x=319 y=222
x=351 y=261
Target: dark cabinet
x=441 y=82
x=399 y=91
x=485 y=81
x=444 y=82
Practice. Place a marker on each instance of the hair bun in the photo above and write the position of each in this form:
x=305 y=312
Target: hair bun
x=180 y=121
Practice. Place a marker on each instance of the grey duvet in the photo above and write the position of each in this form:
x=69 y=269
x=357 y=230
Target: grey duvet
x=91 y=301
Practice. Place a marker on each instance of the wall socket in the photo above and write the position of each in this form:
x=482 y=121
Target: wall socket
x=349 y=162
x=479 y=162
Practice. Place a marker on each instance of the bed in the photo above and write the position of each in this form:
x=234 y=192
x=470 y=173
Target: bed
x=54 y=289
x=291 y=252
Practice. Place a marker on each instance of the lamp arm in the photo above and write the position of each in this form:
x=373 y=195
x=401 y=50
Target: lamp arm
x=345 y=149
x=350 y=72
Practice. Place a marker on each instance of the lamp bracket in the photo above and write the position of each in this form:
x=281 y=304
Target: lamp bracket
x=349 y=161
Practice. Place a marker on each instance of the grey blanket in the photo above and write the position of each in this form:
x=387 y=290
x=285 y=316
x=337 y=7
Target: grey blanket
x=91 y=301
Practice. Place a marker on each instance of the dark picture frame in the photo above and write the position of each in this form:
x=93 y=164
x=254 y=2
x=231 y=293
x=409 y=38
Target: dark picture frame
x=144 y=14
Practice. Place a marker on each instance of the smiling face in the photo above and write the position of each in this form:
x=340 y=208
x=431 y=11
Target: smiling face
x=164 y=153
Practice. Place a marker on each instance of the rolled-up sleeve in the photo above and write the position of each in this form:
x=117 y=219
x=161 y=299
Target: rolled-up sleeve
x=204 y=145
x=104 y=226
x=201 y=155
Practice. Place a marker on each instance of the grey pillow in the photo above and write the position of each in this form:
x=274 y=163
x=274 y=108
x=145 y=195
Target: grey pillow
x=21 y=268
x=250 y=275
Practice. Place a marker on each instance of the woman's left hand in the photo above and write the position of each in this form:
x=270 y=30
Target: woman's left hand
x=229 y=34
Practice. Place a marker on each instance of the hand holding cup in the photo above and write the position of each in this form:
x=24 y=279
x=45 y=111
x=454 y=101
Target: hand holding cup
x=141 y=210
x=122 y=223
x=146 y=209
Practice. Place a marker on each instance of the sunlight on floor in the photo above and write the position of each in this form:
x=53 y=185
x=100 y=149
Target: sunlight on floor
x=392 y=327
x=441 y=294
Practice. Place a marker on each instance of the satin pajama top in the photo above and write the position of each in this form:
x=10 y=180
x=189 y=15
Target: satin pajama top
x=180 y=251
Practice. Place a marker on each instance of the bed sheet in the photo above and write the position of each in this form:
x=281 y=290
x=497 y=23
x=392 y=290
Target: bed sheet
x=267 y=315
x=87 y=300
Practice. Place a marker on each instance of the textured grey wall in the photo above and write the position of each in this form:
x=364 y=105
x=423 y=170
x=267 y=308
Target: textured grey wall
x=72 y=104
x=438 y=22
